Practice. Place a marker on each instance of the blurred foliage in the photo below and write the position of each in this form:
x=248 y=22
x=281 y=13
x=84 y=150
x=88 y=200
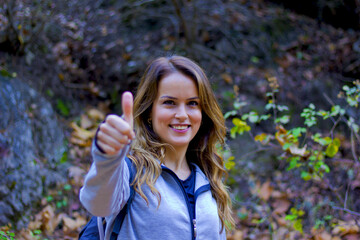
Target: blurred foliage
x=293 y=145
x=308 y=150
x=22 y=25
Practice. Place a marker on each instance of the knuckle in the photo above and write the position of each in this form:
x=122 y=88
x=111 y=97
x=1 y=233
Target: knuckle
x=102 y=127
x=110 y=118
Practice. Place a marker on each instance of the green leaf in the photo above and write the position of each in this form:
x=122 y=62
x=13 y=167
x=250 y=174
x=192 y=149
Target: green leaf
x=58 y=204
x=49 y=92
x=254 y=59
x=299 y=55
x=64 y=157
x=290 y=217
x=286 y=146
x=229 y=163
x=231 y=113
x=298 y=225
x=325 y=168
x=237 y=121
x=305 y=175
x=233 y=131
x=67 y=187
x=63 y=108
x=298 y=131
x=242 y=216
x=282 y=108
x=264 y=117
x=284 y=119
x=253 y=117
x=269 y=106
x=4 y=73
x=293 y=163
x=337 y=142
x=238 y=105
x=328 y=140
x=331 y=150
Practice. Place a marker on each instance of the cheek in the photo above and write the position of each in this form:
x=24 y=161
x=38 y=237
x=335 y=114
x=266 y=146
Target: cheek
x=162 y=116
x=197 y=117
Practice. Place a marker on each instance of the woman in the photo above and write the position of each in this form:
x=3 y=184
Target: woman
x=178 y=180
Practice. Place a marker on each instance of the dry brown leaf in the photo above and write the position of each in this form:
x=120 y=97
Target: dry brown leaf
x=336 y=238
x=281 y=233
x=82 y=133
x=26 y=234
x=85 y=122
x=46 y=220
x=205 y=36
x=227 y=78
x=280 y=220
x=95 y=114
x=104 y=30
x=278 y=194
x=308 y=74
x=77 y=174
x=345 y=228
x=71 y=225
x=265 y=191
x=281 y=206
x=294 y=150
x=352 y=237
x=94 y=89
x=237 y=235
x=323 y=236
x=79 y=142
x=126 y=56
x=280 y=135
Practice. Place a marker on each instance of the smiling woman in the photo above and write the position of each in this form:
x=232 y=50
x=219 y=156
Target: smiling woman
x=178 y=173
x=176 y=113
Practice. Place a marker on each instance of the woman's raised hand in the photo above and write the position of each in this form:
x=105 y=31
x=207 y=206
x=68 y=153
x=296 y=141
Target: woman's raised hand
x=116 y=131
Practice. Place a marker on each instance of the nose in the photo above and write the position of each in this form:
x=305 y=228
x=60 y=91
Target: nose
x=181 y=113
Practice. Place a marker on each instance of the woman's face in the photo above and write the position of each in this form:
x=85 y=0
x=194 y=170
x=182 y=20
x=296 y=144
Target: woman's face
x=176 y=112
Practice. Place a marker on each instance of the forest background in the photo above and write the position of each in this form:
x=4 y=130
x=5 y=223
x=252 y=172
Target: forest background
x=285 y=72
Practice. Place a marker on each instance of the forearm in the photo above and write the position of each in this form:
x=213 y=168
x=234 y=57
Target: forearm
x=106 y=186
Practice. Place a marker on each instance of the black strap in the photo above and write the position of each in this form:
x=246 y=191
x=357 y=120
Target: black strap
x=120 y=217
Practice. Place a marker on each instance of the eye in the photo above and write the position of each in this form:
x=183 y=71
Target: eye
x=169 y=102
x=193 y=103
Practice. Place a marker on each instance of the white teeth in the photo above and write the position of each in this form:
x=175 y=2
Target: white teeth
x=180 y=127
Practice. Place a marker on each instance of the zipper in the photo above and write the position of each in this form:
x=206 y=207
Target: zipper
x=193 y=222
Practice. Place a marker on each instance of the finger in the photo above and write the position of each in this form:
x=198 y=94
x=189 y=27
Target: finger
x=115 y=125
x=107 y=131
x=106 y=148
x=115 y=143
x=127 y=108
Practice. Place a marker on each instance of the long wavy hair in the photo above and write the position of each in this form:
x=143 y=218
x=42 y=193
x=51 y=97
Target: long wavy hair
x=147 y=148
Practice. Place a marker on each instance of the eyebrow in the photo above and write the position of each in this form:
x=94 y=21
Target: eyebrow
x=170 y=97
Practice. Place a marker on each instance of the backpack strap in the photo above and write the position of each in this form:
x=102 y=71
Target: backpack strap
x=120 y=217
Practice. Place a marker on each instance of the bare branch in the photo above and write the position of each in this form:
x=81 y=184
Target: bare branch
x=346 y=210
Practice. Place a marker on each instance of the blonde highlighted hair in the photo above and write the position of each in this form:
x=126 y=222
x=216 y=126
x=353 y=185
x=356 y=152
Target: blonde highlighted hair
x=147 y=148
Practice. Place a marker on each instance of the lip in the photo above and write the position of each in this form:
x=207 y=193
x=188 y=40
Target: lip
x=172 y=126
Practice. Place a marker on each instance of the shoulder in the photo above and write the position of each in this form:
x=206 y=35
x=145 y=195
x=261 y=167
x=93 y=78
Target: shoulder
x=199 y=172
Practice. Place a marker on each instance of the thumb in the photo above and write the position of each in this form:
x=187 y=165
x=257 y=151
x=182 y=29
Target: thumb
x=127 y=103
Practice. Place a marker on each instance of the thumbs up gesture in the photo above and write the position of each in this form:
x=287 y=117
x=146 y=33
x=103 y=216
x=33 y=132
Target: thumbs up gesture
x=116 y=131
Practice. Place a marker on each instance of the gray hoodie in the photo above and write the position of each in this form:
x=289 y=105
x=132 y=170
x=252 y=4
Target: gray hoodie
x=106 y=190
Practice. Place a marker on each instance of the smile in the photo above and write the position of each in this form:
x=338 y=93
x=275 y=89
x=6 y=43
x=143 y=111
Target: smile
x=180 y=127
